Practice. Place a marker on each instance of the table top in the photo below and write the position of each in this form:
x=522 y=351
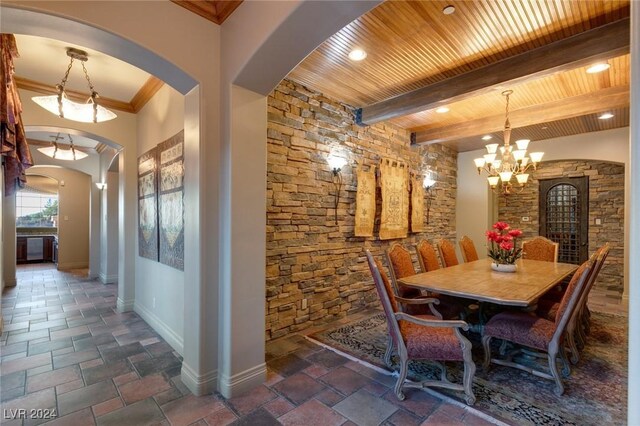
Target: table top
x=476 y=280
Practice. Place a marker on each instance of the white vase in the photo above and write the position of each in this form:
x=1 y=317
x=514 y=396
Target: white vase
x=504 y=267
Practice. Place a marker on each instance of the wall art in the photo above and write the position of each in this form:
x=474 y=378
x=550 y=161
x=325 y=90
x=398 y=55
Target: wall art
x=147 y=205
x=394 y=179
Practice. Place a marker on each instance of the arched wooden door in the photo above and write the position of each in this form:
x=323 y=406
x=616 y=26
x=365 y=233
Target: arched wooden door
x=564 y=216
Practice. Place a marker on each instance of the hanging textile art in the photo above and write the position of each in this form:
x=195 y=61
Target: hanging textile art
x=394 y=221
x=147 y=205
x=171 y=201
x=365 y=202
x=13 y=141
x=417 y=205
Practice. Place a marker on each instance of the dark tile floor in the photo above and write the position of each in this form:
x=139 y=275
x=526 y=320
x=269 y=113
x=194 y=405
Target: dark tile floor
x=66 y=352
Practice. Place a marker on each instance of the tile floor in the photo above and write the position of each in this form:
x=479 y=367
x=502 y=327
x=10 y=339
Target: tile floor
x=65 y=350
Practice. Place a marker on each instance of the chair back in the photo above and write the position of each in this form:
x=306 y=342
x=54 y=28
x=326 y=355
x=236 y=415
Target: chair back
x=570 y=299
x=468 y=250
x=447 y=253
x=540 y=248
x=400 y=263
x=427 y=256
x=387 y=297
x=600 y=257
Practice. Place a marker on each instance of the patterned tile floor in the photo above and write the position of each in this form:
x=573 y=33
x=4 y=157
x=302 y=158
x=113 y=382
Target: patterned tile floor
x=66 y=351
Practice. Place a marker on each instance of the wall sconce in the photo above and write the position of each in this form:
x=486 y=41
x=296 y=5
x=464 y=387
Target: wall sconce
x=428 y=184
x=336 y=163
x=101 y=185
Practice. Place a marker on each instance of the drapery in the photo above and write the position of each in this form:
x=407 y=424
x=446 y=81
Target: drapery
x=417 y=205
x=394 y=221
x=14 y=147
x=365 y=203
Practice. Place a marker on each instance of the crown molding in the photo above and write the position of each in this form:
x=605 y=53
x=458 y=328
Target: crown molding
x=146 y=92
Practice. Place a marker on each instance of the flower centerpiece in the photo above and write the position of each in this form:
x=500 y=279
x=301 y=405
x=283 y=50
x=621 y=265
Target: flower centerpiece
x=502 y=247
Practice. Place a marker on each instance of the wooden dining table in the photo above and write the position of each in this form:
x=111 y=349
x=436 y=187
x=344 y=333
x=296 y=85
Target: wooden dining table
x=476 y=280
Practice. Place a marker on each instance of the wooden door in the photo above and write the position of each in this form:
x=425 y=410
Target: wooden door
x=564 y=216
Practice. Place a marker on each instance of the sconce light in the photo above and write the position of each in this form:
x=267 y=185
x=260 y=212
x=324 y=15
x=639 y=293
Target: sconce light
x=336 y=163
x=428 y=184
x=101 y=185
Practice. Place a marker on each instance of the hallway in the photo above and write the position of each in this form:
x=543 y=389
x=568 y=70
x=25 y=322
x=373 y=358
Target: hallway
x=66 y=352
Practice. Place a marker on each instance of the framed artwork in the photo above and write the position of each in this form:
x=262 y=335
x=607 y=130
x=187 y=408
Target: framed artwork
x=171 y=201
x=147 y=205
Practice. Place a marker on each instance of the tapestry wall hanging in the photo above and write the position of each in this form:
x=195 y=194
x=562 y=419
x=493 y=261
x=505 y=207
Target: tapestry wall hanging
x=365 y=202
x=417 y=205
x=394 y=178
x=147 y=205
x=171 y=201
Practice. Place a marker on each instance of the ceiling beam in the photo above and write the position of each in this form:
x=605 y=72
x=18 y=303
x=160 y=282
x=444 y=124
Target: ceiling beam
x=598 y=44
x=591 y=103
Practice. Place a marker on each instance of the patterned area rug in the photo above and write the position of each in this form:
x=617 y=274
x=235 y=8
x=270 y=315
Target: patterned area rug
x=595 y=393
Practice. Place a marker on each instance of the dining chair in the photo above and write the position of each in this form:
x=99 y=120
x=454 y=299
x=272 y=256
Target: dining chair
x=529 y=330
x=424 y=337
x=540 y=248
x=447 y=253
x=427 y=256
x=468 y=250
x=578 y=324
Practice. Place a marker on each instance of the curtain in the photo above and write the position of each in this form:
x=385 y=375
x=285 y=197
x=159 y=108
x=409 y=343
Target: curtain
x=14 y=148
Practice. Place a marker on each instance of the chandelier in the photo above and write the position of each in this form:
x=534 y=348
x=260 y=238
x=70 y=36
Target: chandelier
x=58 y=153
x=63 y=107
x=512 y=163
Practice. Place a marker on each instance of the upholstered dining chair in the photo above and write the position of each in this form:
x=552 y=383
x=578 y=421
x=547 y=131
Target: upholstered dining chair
x=447 y=253
x=401 y=266
x=427 y=256
x=529 y=330
x=540 y=248
x=468 y=250
x=424 y=337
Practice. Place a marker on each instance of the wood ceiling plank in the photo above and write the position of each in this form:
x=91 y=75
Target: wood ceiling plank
x=46 y=89
x=600 y=101
x=598 y=44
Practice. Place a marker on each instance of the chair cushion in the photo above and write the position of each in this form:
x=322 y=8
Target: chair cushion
x=434 y=343
x=547 y=309
x=522 y=328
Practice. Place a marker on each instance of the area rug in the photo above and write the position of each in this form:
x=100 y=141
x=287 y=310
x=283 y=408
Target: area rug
x=595 y=393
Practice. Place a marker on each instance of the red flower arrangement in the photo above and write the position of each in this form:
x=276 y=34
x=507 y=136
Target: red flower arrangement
x=502 y=243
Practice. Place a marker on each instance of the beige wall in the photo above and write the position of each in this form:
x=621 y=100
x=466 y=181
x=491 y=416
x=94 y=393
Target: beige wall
x=160 y=288
x=74 y=190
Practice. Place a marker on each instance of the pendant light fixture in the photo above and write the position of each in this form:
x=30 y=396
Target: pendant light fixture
x=56 y=152
x=63 y=107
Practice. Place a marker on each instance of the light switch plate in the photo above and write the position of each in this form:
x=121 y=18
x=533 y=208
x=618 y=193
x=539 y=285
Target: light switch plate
x=598 y=221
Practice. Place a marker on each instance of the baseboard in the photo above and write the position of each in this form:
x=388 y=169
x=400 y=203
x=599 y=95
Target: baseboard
x=108 y=279
x=72 y=265
x=10 y=283
x=125 y=305
x=242 y=382
x=171 y=337
x=198 y=384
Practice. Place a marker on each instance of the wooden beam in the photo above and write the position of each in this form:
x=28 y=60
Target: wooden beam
x=38 y=87
x=146 y=92
x=591 y=103
x=598 y=44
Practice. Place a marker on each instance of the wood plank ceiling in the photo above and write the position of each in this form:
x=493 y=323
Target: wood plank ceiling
x=413 y=45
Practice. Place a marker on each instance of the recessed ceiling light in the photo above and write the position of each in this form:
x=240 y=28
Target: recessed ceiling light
x=448 y=10
x=606 y=116
x=598 y=68
x=357 y=55
x=487 y=137
x=442 y=110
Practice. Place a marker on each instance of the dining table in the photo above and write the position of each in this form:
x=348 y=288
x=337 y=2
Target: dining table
x=478 y=281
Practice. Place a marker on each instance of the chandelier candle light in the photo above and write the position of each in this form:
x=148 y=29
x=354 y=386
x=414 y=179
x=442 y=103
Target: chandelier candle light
x=502 y=247
x=63 y=107
x=512 y=162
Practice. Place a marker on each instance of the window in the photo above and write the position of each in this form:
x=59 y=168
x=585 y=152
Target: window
x=36 y=210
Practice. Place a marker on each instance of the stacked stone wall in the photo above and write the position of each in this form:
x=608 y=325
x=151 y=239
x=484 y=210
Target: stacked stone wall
x=606 y=203
x=317 y=269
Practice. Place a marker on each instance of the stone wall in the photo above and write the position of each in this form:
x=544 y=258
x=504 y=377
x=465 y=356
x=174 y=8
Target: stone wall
x=317 y=269
x=606 y=202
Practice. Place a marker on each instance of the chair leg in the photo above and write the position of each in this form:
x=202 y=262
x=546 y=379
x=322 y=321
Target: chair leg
x=573 y=347
x=467 y=379
x=503 y=348
x=486 y=344
x=388 y=352
x=553 y=366
x=401 y=378
x=566 y=367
